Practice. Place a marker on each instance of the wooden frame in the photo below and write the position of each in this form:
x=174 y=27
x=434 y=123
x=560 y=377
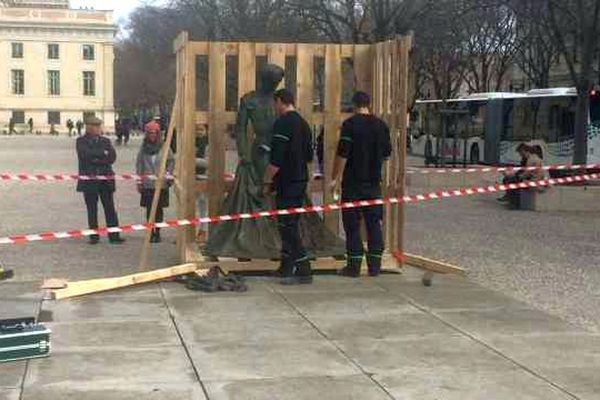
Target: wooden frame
x=380 y=69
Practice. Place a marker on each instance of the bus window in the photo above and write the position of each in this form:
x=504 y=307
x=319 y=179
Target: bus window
x=507 y=122
x=595 y=108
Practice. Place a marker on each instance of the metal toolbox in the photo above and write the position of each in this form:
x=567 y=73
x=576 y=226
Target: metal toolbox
x=23 y=338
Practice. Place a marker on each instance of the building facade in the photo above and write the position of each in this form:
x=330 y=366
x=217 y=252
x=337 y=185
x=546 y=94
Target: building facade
x=56 y=65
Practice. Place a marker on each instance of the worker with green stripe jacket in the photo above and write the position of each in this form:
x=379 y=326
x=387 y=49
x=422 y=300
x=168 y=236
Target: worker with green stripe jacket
x=363 y=147
x=287 y=175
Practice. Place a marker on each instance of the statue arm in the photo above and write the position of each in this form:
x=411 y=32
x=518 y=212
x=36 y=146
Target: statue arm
x=241 y=133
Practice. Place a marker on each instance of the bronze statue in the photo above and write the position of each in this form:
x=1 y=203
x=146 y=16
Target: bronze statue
x=259 y=238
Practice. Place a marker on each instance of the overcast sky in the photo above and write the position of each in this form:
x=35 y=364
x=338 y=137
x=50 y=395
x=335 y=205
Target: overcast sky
x=121 y=8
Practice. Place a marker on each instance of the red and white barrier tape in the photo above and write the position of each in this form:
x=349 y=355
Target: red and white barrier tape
x=75 y=177
x=439 y=195
x=565 y=167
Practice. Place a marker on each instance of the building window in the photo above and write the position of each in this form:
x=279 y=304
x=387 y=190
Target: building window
x=53 y=51
x=18 y=117
x=88 y=114
x=89 y=83
x=54 y=117
x=17 y=50
x=54 y=83
x=18 y=81
x=88 y=52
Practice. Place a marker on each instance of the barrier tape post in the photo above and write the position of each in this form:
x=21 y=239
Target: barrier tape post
x=439 y=195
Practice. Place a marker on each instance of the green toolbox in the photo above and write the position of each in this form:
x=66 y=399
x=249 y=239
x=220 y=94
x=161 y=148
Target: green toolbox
x=23 y=338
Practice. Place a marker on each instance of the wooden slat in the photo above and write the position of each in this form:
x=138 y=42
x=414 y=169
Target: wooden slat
x=363 y=60
x=404 y=71
x=396 y=159
x=80 y=288
x=276 y=54
x=428 y=264
x=216 y=131
x=199 y=48
x=246 y=69
x=186 y=150
x=347 y=50
x=305 y=80
x=333 y=98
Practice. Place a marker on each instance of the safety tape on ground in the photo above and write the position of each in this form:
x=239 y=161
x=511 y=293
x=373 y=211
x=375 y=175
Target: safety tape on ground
x=557 y=167
x=439 y=195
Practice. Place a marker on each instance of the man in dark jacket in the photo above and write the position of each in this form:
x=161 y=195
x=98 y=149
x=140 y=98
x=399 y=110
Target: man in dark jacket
x=363 y=148
x=287 y=175
x=96 y=156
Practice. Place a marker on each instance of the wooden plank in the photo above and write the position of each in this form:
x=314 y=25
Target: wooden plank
x=405 y=46
x=347 y=50
x=276 y=54
x=216 y=131
x=305 y=80
x=436 y=266
x=246 y=70
x=81 y=288
x=396 y=159
x=363 y=61
x=186 y=153
x=333 y=98
x=158 y=185
x=199 y=48
x=320 y=264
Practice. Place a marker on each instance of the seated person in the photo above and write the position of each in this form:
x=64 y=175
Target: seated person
x=534 y=172
x=515 y=177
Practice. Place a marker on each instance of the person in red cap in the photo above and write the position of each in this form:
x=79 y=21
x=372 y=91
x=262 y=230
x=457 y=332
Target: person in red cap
x=148 y=163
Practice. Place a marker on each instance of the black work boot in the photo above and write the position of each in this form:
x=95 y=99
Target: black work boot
x=374 y=263
x=287 y=273
x=94 y=239
x=115 y=238
x=155 y=238
x=304 y=272
x=352 y=268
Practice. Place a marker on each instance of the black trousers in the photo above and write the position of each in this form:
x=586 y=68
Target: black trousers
x=110 y=213
x=373 y=217
x=159 y=217
x=513 y=196
x=293 y=254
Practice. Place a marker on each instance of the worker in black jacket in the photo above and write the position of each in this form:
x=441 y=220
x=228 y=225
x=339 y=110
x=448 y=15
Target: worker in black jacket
x=96 y=156
x=287 y=175
x=363 y=147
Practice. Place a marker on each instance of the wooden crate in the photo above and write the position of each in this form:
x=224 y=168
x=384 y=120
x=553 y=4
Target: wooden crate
x=379 y=69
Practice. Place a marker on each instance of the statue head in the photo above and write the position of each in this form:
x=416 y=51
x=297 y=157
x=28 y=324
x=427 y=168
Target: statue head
x=270 y=77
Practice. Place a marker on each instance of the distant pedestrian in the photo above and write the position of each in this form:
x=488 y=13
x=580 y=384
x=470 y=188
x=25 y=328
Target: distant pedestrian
x=11 y=126
x=70 y=126
x=202 y=151
x=30 y=123
x=79 y=126
x=148 y=163
x=363 y=147
x=96 y=156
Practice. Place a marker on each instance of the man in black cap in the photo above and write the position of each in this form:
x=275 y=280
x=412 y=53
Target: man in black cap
x=363 y=147
x=96 y=156
x=287 y=175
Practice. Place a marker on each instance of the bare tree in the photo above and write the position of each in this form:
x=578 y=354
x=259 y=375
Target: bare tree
x=575 y=25
x=489 y=31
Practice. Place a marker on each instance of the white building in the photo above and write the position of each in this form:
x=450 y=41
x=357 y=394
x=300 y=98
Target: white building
x=56 y=64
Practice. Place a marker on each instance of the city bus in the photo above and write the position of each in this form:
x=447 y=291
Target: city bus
x=486 y=128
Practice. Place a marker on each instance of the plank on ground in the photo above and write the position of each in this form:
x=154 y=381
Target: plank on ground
x=80 y=288
x=436 y=266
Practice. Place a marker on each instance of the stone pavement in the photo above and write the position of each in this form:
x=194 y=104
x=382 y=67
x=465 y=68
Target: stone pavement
x=384 y=338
